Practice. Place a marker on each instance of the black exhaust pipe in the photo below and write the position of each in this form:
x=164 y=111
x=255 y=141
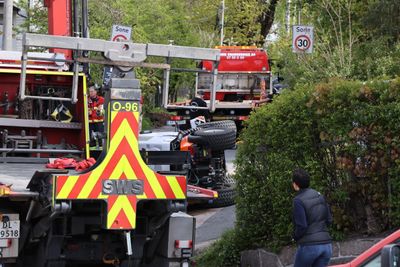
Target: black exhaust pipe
x=85 y=19
x=76 y=18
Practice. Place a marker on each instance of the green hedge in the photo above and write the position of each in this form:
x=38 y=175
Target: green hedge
x=346 y=134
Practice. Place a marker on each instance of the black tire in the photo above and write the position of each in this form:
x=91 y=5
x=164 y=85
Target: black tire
x=215 y=138
x=226 y=194
x=198 y=102
x=219 y=124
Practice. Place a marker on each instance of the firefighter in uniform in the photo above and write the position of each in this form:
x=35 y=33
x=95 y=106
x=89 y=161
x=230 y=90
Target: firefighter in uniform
x=96 y=114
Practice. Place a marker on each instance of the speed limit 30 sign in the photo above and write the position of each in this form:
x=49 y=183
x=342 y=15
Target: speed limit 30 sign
x=303 y=39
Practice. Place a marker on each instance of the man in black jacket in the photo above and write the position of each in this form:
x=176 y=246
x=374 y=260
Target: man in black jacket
x=311 y=217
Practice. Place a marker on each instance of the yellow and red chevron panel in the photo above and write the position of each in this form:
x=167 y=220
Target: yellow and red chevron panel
x=122 y=178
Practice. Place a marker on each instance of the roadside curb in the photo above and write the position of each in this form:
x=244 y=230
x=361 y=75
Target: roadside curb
x=343 y=252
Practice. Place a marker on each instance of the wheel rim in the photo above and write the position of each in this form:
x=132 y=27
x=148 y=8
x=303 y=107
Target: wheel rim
x=213 y=130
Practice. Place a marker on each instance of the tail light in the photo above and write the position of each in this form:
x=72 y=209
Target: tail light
x=183 y=244
x=176 y=118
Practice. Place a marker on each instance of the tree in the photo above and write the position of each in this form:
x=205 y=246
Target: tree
x=348 y=41
x=267 y=17
x=249 y=22
x=36 y=19
x=246 y=22
x=383 y=19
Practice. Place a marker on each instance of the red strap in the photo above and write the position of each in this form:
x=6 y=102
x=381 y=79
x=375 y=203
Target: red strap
x=84 y=164
x=67 y=163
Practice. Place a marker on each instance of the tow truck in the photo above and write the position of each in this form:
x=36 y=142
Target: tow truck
x=241 y=82
x=119 y=212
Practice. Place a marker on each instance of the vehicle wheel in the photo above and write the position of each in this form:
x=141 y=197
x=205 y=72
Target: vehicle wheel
x=226 y=193
x=219 y=124
x=215 y=138
x=198 y=102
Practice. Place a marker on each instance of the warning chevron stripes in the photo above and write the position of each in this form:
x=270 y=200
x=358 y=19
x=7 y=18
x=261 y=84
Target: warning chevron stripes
x=122 y=163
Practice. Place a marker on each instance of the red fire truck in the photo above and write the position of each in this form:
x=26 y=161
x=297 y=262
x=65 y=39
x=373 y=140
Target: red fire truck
x=241 y=82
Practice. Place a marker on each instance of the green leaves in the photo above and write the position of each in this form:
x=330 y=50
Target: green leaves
x=353 y=40
x=157 y=21
x=346 y=134
x=36 y=20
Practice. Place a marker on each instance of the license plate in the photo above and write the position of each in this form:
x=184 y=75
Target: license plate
x=172 y=123
x=9 y=229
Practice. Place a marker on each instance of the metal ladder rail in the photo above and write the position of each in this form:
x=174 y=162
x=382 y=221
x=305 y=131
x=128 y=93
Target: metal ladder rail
x=121 y=53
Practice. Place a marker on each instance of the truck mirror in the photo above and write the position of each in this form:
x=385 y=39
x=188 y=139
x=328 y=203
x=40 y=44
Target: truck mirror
x=390 y=256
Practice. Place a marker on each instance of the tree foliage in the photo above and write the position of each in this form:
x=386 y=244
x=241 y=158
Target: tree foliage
x=249 y=22
x=349 y=41
x=345 y=133
x=159 y=21
x=36 y=17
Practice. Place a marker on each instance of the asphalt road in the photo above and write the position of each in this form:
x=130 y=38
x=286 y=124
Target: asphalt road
x=212 y=223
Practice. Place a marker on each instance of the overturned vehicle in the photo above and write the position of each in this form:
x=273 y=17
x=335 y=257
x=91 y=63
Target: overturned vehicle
x=208 y=144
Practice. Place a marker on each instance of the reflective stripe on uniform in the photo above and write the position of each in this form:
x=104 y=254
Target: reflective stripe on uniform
x=92 y=121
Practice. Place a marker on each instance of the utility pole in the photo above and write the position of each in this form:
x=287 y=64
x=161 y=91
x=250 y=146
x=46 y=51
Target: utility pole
x=299 y=14
x=221 y=22
x=288 y=16
x=7 y=24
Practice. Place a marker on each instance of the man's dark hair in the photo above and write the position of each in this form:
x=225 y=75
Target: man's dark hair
x=301 y=178
x=94 y=86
